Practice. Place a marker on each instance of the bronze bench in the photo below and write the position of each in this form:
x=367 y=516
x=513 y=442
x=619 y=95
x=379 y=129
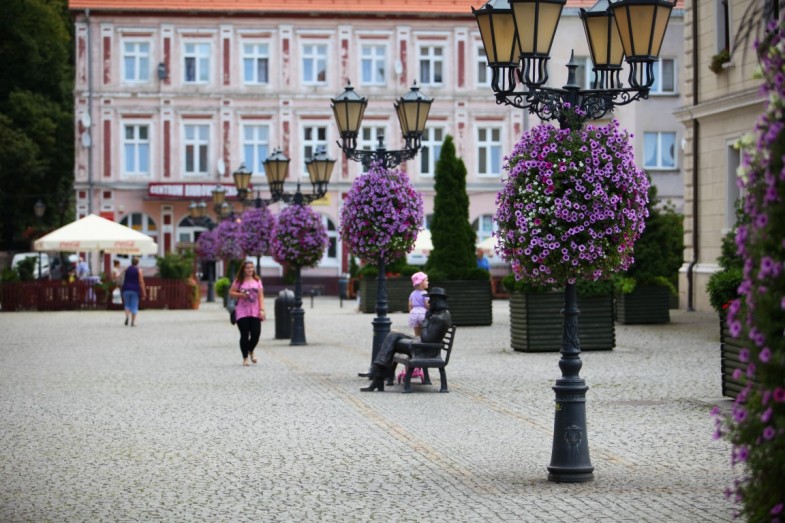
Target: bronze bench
x=426 y=356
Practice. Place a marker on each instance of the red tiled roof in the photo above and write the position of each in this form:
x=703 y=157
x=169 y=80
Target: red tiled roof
x=454 y=7
x=461 y=7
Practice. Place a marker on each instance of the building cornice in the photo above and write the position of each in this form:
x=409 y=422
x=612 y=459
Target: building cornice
x=723 y=104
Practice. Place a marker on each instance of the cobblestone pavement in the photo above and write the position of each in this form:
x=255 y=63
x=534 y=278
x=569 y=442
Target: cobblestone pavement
x=160 y=422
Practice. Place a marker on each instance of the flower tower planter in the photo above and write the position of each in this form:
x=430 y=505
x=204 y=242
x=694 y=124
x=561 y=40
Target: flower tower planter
x=536 y=325
x=645 y=305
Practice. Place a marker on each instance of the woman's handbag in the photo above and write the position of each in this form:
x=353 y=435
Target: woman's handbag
x=232 y=316
x=117 y=297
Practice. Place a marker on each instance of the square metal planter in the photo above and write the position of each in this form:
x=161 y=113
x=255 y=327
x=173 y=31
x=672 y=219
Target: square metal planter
x=730 y=348
x=536 y=323
x=645 y=305
x=398 y=291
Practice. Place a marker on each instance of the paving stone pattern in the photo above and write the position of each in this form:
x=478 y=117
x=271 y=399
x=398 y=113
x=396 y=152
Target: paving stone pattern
x=160 y=422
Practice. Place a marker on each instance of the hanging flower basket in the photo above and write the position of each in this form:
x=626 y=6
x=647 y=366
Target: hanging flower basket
x=572 y=206
x=299 y=239
x=381 y=215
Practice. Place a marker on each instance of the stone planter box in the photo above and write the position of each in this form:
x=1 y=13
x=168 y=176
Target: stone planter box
x=470 y=301
x=647 y=304
x=730 y=348
x=398 y=290
x=536 y=323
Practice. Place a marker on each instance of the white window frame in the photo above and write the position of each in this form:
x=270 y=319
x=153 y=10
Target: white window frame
x=481 y=67
x=584 y=74
x=659 y=164
x=724 y=31
x=368 y=137
x=431 y=149
x=427 y=55
x=489 y=149
x=197 y=143
x=260 y=146
x=656 y=88
x=141 y=60
x=312 y=55
x=144 y=223
x=375 y=56
x=202 y=56
x=258 y=51
x=309 y=145
x=334 y=241
x=137 y=143
x=484 y=226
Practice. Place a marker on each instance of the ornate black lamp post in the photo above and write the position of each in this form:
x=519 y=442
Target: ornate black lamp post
x=517 y=36
x=412 y=110
x=198 y=215
x=320 y=169
x=39 y=208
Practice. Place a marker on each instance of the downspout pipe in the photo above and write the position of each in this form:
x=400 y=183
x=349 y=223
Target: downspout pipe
x=89 y=113
x=695 y=165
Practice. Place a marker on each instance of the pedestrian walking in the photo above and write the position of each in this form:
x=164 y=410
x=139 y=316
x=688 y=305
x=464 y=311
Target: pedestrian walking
x=248 y=290
x=133 y=288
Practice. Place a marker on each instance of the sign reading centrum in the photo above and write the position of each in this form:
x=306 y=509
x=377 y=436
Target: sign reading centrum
x=187 y=190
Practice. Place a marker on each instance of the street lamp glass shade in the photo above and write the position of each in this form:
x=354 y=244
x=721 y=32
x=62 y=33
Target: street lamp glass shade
x=275 y=167
x=412 y=111
x=602 y=36
x=39 y=208
x=535 y=24
x=349 y=108
x=193 y=211
x=642 y=25
x=219 y=196
x=242 y=179
x=320 y=167
x=497 y=30
x=226 y=209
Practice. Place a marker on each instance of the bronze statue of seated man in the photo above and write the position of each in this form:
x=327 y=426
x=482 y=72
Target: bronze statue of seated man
x=435 y=325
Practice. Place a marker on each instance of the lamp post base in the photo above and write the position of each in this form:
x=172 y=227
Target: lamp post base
x=570 y=461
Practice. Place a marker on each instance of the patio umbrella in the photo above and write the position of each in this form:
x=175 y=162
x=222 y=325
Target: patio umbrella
x=488 y=244
x=92 y=234
x=423 y=243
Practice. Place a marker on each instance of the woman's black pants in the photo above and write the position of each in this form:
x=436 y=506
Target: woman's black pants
x=250 y=330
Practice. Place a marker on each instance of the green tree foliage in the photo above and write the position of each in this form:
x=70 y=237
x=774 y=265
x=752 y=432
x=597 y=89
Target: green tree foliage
x=453 y=255
x=36 y=113
x=176 y=266
x=659 y=252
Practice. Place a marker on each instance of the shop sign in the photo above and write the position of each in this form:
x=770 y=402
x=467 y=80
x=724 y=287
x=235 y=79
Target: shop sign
x=181 y=191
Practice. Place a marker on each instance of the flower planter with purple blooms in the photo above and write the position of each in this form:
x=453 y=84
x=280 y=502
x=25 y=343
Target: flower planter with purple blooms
x=572 y=206
x=381 y=215
x=299 y=239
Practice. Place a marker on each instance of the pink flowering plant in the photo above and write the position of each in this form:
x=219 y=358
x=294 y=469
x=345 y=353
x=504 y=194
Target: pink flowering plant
x=572 y=206
x=299 y=239
x=207 y=246
x=257 y=230
x=381 y=215
x=229 y=237
x=756 y=424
